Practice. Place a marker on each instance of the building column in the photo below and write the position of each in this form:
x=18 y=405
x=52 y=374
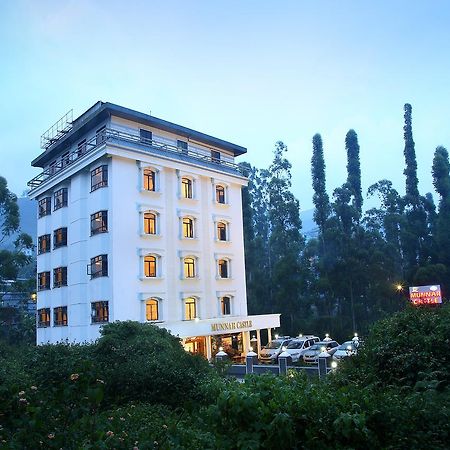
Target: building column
x=269 y=335
x=246 y=341
x=258 y=337
x=208 y=348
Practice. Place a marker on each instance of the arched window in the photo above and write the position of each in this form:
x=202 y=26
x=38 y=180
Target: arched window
x=220 y=194
x=189 y=267
x=186 y=187
x=221 y=231
x=151 y=309
x=149 y=223
x=190 y=309
x=188 y=227
x=223 y=268
x=150 y=266
x=149 y=180
x=225 y=306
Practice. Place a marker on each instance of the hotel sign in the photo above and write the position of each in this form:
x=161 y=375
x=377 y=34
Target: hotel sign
x=230 y=326
x=425 y=295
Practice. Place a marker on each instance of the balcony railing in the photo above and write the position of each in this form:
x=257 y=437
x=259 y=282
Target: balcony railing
x=151 y=145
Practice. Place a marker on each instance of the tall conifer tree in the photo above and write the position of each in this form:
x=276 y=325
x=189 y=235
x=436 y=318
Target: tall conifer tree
x=412 y=182
x=354 y=169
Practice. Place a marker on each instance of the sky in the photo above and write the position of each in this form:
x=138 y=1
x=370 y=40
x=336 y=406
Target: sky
x=250 y=72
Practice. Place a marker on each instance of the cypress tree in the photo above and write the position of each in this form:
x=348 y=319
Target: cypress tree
x=354 y=169
x=320 y=198
x=412 y=182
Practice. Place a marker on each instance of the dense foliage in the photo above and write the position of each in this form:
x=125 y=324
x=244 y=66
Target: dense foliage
x=346 y=275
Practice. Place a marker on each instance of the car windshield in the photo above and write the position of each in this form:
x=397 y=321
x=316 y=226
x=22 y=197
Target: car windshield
x=295 y=344
x=273 y=345
x=316 y=347
x=346 y=345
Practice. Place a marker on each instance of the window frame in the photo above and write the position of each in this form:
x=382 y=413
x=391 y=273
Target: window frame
x=220 y=194
x=102 y=217
x=189 y=268
x=59 y=277
x=145 y=136
x=40 y=313
x=223 y=266
x=223 y=305
x=103 y=171
x=100 y=135
x=150 y=223
x=44 y=275
x=222 y=232
x=47 y=201
x=44 y=238
x=63 y=321
x=151 y=261
x=60 y=198
x=192 y=307
x=182 y=145
x=188 y=227
x=102 y=261
x=187 y=188
x=215 y=156
x=149 y=179
x=59 y=231
x=99 y=311
x=156 y=304
x=81 y=148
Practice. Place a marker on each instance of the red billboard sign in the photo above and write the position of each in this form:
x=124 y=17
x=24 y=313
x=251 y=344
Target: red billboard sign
x=425 y=295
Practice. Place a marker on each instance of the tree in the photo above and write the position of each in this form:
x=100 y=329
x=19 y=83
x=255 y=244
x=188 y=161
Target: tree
x=354 y=170
x=410 y=171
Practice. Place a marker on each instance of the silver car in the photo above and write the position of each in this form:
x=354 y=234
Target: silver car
x=269 y=353
x=298 y=346
x=312 y=354
x=346 y=349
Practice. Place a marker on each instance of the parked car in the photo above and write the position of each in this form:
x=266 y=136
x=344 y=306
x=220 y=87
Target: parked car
x=269 y=353
x=312 y=354
x=348 y=348
x=298 y=346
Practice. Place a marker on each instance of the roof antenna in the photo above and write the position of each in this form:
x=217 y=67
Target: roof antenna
x=150 y=112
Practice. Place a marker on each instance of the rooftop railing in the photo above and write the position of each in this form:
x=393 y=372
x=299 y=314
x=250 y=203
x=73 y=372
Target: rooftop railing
x=151 y=145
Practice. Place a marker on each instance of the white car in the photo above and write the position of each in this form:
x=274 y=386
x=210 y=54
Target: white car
x=298 y=346
x=311 y=356
x=346 y=349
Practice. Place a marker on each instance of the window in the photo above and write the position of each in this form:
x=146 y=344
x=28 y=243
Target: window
x=225 y=306
x=151 y=309
x=65 y=159
x=188 y=227
x=186 y=187
x=189 y=267
x=60 y=316
x=190 y=310
x=99 y=312
x=150 y=266
x=223 y=268
x=43 y=281
x=99 y=222
x=59 y=277
x=183 y=146
x=215 y=156
x=43 y=317
x=99 y=177
x=149 y=180
x=220 y=194
x=43 y=244
x=99 y=266
x=221 y=231
x=60 y=237
x=100 y=136
x=149 y=223
x=45 y=206
x=81 y=148
x=146 y=136
x=60 y=198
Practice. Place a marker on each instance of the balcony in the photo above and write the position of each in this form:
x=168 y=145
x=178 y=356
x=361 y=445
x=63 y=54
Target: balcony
x=134 y=142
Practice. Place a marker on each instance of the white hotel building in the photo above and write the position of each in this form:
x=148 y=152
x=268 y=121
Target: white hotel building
x=141 y=219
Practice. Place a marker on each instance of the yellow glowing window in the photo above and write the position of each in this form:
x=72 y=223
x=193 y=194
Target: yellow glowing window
x=151 y=309
x=220 y=194
x=189 y=267
x=150 y=266
x=190 y=312
x=149 y=223
x=186 y=188
x=149 y=180
x=188 y=227
x=221 y=231
x=223 y=268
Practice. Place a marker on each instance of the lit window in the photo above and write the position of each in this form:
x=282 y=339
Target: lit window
x=99 y=177
x=188 y=227
x=149 y=223
x=215 y=156
x=99 y=222
x=99 y=312
x=43 y=281
x=43 y=317
x=59 y=277
x=60 y=198
x=98 y=266
x=186 y=187
x=60 y=237
x=60 y=316
x=225 y=306
x=189 y=267
x=151 y=309
x=149 y=180
x=100 y=135
x=223 y=268
x=221 y=231
x=45 y=206
x=43 y=244
x=146 y=136
x=220 y=194
x=183 y=146
x=190 y=310
x=150 y=266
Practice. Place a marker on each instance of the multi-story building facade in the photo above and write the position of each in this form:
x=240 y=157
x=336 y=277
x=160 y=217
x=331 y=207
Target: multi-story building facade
x=141 y=219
